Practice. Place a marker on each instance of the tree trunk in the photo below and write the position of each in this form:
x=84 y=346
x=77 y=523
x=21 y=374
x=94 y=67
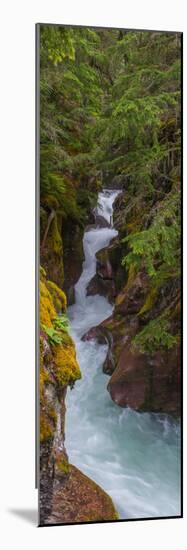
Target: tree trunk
x=50 y=219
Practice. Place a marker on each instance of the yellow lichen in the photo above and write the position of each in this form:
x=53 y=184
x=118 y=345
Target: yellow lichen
x=48 y=416
x=47 y=310
x=46 y=430
x=59 y=297
x=48 y=419
x=43 y=373
x=44 y=378
x=63 y=466
x=66 y=367
x=42 y=273
x=58 y=364
x=149 y=302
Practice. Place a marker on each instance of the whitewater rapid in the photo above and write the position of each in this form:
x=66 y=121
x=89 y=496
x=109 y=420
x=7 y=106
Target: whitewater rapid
x=134 y=457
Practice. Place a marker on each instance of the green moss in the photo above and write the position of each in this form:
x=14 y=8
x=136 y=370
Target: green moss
x=52 y=251
x=55 y=238
x=48 y=416
x=110 y=325
x=50 y=201
x=149 y=302
x=59 y=297
x=155 y=336
x=47 y=310
x=43 y=222
x=131 y=277
x=42 y=273
x=63 y=466
x=66 y=338
x=58 y=364
x=66 y=369
x=133 y=226
x=44 y=378
x=46 y=430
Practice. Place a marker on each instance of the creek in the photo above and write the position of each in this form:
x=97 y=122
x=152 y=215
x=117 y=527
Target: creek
x=134 y=457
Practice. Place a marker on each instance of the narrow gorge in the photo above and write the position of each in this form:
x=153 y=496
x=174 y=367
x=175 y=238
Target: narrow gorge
x=134 y=457
x=110 y=278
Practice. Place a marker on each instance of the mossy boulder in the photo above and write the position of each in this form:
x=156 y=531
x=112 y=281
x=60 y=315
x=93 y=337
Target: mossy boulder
x=58 y=295
x=58 y=364
x=47 y=309
x=66 y=368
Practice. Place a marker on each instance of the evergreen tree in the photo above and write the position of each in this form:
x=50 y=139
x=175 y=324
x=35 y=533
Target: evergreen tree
x=110 y=106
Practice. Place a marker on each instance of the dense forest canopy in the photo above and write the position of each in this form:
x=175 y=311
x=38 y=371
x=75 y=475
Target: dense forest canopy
x=110 y=111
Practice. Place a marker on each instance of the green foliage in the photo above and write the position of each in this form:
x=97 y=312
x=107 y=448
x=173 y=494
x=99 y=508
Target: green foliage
x=154 y=336
x=110 y=106
x=157 y=248
x=142 y=115
x=71 y=102
x=61 y=322
x=152 y=245
x=105 y=94
x=56 y=44
x=55 y=333
x=114 y=104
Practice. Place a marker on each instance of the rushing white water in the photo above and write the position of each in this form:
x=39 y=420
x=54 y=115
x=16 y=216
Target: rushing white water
x=134 y=456
x=105 y=204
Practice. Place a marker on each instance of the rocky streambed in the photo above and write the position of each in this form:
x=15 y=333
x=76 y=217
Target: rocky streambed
x=134 y=456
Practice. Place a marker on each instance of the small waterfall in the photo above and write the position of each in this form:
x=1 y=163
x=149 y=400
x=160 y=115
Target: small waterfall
x=134 y=457
x=105 y=204
x=93 y=241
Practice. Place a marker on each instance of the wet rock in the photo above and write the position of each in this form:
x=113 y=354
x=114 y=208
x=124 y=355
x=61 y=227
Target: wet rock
x=110 y=276
x=130 y=299
x=98 y=333
x=147 y=383
x=103 y=336
x=66 y=495
x=103 y=287
x=119 y=334
x=109 y=363
x=128 y=385
x=80 y=499
x=71 y=295
x=101 y=222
